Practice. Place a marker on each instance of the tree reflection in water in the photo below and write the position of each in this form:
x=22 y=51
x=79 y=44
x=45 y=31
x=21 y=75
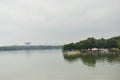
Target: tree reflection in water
x=90 y=59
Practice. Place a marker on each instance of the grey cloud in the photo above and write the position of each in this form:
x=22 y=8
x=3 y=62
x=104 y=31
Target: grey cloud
x=57 y=21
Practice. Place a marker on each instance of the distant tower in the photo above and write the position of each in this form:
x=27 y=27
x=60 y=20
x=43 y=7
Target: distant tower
x=27 y=43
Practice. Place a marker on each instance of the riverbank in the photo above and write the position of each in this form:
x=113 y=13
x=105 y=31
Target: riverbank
x=83 y=52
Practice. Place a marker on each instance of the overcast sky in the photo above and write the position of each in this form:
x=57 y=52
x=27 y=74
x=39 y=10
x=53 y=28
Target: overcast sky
x=57 y=21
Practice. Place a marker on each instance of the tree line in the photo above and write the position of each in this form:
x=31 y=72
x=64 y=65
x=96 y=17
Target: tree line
x=91 y=42
x=32 y=47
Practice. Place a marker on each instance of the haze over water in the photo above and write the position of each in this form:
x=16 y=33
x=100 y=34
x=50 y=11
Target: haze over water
x=52 y=65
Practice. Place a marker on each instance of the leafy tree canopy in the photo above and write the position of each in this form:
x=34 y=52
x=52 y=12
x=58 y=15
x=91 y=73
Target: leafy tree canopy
x=91 y=42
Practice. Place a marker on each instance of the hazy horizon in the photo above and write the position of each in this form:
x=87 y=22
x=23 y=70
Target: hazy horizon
x=52 y=44
x=57 y=21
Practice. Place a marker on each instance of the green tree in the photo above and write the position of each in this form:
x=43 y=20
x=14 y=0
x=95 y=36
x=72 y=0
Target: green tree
x=91 y=42
x=101 y=43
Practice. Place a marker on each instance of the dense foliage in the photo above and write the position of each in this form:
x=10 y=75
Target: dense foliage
x=90 y=43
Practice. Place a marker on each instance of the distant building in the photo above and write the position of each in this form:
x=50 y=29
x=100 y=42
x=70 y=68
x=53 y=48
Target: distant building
x=104 y=50
x=27 y=43
x=94 y=49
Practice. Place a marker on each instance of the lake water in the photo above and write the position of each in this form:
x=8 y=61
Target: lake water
x=53 y=65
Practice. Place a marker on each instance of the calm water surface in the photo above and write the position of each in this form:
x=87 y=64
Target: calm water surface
x=53 y=65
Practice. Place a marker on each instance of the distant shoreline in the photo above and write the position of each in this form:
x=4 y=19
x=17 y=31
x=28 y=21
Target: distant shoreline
x=31 y=47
